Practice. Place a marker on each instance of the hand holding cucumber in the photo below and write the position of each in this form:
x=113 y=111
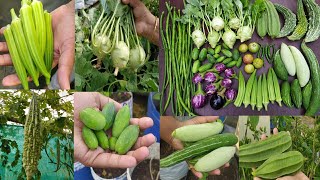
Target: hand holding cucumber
x=99 y=157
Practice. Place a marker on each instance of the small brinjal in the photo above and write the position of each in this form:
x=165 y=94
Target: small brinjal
x=217 y=101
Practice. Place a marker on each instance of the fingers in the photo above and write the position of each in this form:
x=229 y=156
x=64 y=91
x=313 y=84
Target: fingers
x=176 y=144
x=215 y=172
x=196 y=173
x=133 y=3
x=2 y=29
x=139 y=154
x=5 y=59
x=263 y=136
x=275 y=131
x=146 y=141
x=143 y=123
x=108 y=160
x=66 y=62
x=201 y=120
x=3 y=47
x=12 y=80
x=104 y=100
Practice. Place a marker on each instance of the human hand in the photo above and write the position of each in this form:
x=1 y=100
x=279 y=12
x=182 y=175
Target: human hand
x=147 y=24
x=298 y=176
x=99 y=158
x=64 y=37
x=171 y=124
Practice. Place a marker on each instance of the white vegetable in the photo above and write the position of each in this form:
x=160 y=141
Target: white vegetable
x=303 y=71
x=234 y=23
x=288 y=59
x=137 y=57
x=120 y=56
x=229 y=38
x=213 y=38
x=197 y=132
x=215 y=159
x=217 y=23
x=198 y=38
x=244 y=33
x=106 y=45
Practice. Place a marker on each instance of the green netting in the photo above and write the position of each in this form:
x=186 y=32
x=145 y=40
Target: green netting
x=16 y=133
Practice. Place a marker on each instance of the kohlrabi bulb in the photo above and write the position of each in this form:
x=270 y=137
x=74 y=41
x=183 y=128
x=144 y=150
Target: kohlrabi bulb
x=137 y=58
x=198 y=38
x=106 y=45
x=234 y=23
x=244 y=33
x=213 y=38
x=217 y=23
x=120 y=56
x=229 y=38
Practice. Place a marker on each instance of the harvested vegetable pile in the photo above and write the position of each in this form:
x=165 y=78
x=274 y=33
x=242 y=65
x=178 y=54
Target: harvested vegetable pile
x=97 y=123
x=30 y=42
x=110 y=55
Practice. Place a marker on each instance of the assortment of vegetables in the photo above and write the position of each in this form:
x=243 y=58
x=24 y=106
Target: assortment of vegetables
x=30 y=42
x=205 y=150
x=97 y=123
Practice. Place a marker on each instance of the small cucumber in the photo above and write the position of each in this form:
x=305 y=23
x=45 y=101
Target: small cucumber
x=121 y=121
x=226 y=53
x=220 y=59
x=192 y=133
x=239 y=62
x=203 y=54
x=231 y=64
x=235 y=54
x=227 y=60
x=102 y=139
x=211 y=51
x=285 y=94
x=89 y=138
x=127 y=139
x=306 y=95
x=109 y=112
x=296 y=93
x=195 y=53
x=279 y=67
x=225 y=46
x=205 y=67
x=216 y=56
x=195 y=66
x=215 y=159
x=210 y=58
x=93 y=118
x=217 y=49
x=112 y=143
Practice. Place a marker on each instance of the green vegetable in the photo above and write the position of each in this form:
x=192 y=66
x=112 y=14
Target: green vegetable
x=109 y=112
x=235 y=54
x=210 y=58
x=40 y=25
x=216 y=56
x=259 y=94
x=265 y=93
x=15 y=57
x=249 y=86
x=217 y=49
x=306 y=95
x=241 y=90
x=203 y=54
x=280 y=165
x=220 y=59
x=239 y=62
x=262 y=150
x=253 y=99
x=231 y=64
x=271 y=89
x=296 y=93
x=314 y=20
x=227 y=60
x=211 y=51
x=89 y=138
x=227 y=53
x=127 y=139
x=262 y=24
x=121 y=121
x=287 y=59
x=195 y=66
x=215 y=159
x=279 y=67
x=290 y=20
x=302 y=27
x=92 y=118
x=286 y=94
x=314 y=104
x=276 y=87
x=203 y=146
x=273 y=20
x=197 y=132
x=48 y=55
x=303 y=71
x=102 y=139
x=195 y=54
x=112 y=143
x=205 y=67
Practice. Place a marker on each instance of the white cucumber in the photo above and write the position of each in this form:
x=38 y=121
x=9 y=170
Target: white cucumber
x=287 y=59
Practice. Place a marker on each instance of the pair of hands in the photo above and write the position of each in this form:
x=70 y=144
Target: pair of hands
x=99 y=158
x=64 y=38
x=298 y=176
x=169 y=124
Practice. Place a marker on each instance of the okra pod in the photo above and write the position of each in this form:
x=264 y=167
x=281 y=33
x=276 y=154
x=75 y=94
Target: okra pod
x=259 y=94
x=276 y=87
x=253 y=98
x=48 y=55
x=15 y=57
x=271 y=91
x=265 y=95
x=40 y=25
x=249 y=85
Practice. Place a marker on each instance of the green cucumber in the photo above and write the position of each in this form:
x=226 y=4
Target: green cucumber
x=92 y=118
x=203 y=54
x=279 y=67
x=226 y=53
x=205 y=67
x=285 y=94
x=217 y=49
x=231 y=64
x=195 y=53
x=195 y=66
x=121 y=121
x=102 y=139
x=89 y=138
x=112 y=143
x=211 y=51
x=235 y=54
x=306 y=95
x=210 y=58
x=296 y=93
x=127 y=139
x=227 y=60
x=109 y=112
x=192 y=133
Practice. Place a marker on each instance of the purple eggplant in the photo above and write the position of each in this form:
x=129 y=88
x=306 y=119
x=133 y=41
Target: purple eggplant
x=210 y=77
x=197 y=78
x=230 y=94
x=226 y=83
x=212 y=88
x=219 y=68
x=229 y=73
x=199 y=99
x=217 y=101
